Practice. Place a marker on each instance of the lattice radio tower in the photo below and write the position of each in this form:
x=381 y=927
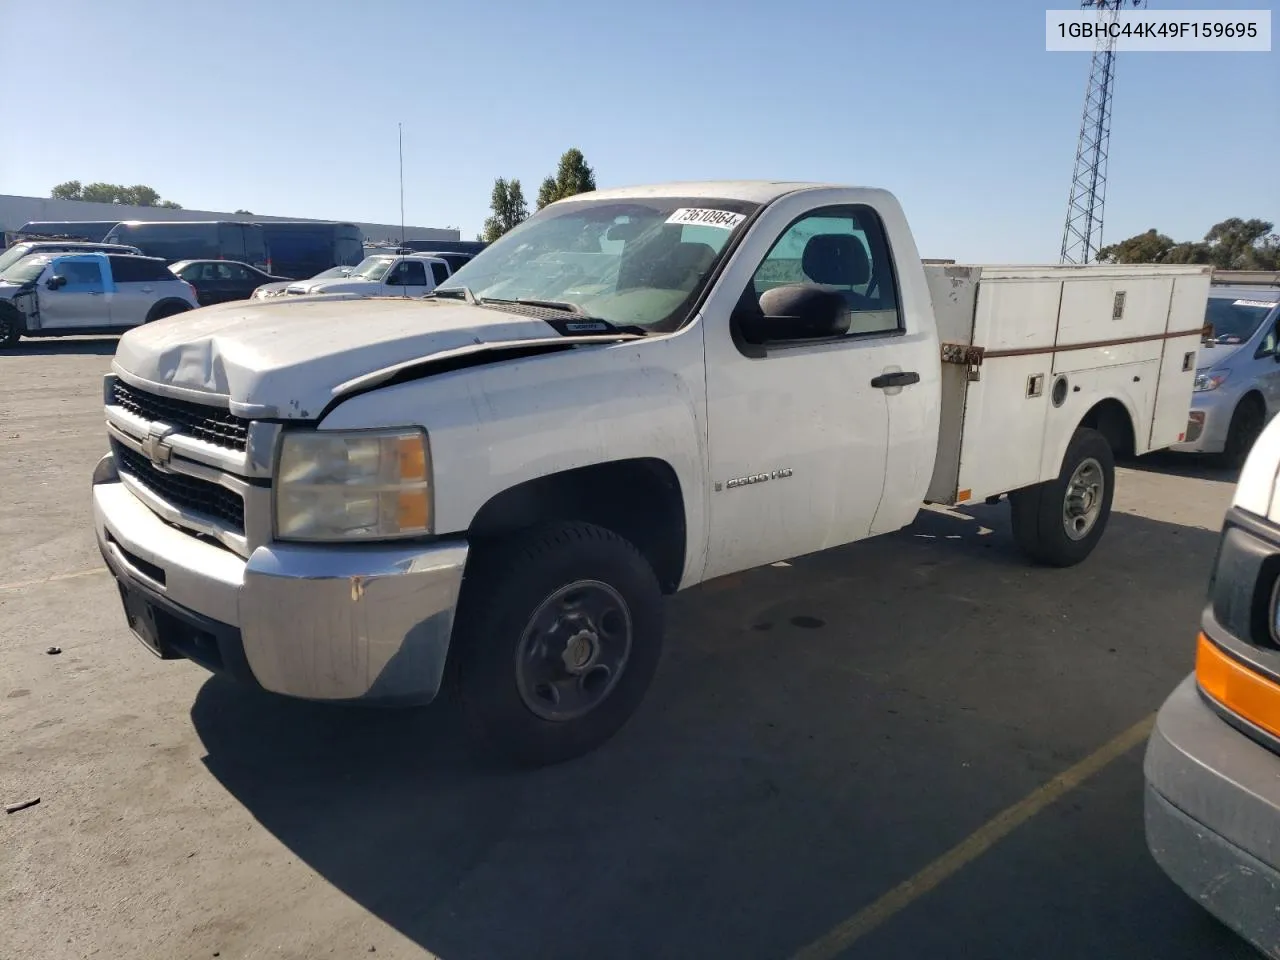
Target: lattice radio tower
x=1082 y=235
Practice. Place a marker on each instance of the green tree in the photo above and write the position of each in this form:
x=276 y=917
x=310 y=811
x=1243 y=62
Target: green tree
x=248 y=213
x=1236 y=244
x=1232 y=244
x=1149 y=247
x=572 y=177
x=509 y=209
x=138 y=195
x=71 y=190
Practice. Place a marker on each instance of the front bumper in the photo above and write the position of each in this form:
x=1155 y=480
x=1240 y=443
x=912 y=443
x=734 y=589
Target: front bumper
x=370 y=624
x=1208 y=422
x=1213 y=815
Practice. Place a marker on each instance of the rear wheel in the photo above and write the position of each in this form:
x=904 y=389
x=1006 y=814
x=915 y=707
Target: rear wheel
x=559 y=635
x=160 y=311
x=1059 y=522
x=10 y=326
x=1246 y=425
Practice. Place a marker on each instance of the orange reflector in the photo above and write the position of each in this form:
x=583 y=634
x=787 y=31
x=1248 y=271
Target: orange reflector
x=963 y=495
x=413 y=459
x=1243 y=692
x=412 y=510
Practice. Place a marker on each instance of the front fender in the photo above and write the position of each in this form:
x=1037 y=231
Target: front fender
x=495 y=426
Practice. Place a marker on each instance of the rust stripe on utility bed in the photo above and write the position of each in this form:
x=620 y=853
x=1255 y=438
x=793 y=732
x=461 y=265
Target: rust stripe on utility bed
x=1091 y=344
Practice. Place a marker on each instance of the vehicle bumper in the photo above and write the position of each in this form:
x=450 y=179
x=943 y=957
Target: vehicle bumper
x=1212 y=804
x=1208 y=422
x=369 y=624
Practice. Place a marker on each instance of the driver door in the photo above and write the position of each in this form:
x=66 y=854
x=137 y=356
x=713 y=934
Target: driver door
x=808 y=437
x=408 y=278
x=81 y=301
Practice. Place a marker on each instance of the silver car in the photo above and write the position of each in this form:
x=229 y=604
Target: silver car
x=66 y=294
x=1237 y=387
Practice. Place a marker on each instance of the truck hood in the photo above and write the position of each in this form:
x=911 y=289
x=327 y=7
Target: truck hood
x=286 y=357
x=332 y=286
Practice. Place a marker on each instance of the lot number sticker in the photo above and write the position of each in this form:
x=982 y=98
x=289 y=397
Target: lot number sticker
x=707 y=218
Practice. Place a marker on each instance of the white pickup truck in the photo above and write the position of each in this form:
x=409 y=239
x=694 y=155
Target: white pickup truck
x=382 y=275
x=634 y=391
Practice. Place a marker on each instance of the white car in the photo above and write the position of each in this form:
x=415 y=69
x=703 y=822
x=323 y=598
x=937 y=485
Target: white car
x=269 y=290
x=383 y=275
x=1237 y=388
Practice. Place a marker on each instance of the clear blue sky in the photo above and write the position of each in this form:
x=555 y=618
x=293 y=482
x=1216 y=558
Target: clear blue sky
x=290 y=107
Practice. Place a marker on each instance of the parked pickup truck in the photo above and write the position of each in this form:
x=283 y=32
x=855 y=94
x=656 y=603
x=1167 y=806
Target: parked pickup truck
x=413 y=275
x=632 y=392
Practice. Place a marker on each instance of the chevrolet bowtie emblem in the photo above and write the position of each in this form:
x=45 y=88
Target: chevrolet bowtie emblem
x=154 y=447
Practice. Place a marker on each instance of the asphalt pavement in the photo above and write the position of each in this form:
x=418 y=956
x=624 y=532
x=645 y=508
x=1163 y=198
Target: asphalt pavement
x=824 y=767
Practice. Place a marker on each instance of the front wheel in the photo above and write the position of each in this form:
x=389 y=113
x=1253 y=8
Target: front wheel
x=559 y=635
x=1246 y=426
x=1060 y=521
x=10 y=326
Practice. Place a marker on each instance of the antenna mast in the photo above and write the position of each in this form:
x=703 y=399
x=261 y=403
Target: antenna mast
x=400 y=128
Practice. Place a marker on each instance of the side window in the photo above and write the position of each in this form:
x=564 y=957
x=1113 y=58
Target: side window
x=240 y=274
x=408 y=273
x=1267 y=345
x=83 y=276
x=842 y=249
x=223 y=271
x=440 y=272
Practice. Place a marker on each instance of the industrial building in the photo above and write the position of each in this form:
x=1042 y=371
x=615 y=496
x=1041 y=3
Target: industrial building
x=16 y=211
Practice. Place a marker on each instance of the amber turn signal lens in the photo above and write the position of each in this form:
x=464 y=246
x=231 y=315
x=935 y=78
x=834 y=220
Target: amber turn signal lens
x=1247 y=694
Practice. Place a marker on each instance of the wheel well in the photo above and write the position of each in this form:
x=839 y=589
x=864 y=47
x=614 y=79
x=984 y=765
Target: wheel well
x=167 y=308
x=10 y=309
x=637 y=499
x=1111 y=419
x=1254 y=397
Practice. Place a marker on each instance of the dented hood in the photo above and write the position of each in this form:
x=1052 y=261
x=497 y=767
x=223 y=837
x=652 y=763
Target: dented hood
x=284 y=358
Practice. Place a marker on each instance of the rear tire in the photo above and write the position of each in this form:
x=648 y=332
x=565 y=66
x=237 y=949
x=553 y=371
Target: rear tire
x=1058 y=523
x=163 y=310
x=11 y=326
x=1247 y=422
x=559 y=635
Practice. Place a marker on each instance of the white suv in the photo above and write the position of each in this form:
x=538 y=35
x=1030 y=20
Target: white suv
x=67 y=294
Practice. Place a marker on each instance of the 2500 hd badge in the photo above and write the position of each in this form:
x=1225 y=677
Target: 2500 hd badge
x=758 y=478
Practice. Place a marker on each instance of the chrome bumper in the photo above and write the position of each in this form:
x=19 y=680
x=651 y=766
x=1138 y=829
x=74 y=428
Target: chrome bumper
x=351 y=623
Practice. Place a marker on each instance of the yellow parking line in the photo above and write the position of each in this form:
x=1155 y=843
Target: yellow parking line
x=845 y=934
x=19 y=584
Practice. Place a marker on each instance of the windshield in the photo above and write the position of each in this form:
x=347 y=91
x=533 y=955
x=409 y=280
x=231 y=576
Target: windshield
x=25 y=270
x=634 y=262
x=372 y=268
x=13 y=255
x=1235 y=321
x=333 y=272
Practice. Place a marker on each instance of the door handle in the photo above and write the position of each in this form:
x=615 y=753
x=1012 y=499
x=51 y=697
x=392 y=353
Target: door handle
x=902 y=378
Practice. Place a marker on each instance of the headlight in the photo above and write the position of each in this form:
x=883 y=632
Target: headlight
x=1210 y=380
x=358 y=485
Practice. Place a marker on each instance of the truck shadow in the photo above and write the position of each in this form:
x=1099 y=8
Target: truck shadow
x=81 y=346
x=1191 y=465
x=819 y=731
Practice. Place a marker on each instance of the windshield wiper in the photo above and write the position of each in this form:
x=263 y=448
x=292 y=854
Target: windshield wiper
x=455 y=293
x=583 y=323
x=564 y=305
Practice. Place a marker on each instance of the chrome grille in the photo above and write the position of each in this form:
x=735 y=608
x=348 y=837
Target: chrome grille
x=211 y=424
x=182 y=491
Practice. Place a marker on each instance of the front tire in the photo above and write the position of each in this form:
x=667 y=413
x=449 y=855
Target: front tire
x=1058 y=523
x=1247 y=422
x=559 y=635
x=10 y=327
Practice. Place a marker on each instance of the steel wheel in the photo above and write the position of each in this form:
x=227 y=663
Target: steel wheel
x=574 y=650
x=1082 y=504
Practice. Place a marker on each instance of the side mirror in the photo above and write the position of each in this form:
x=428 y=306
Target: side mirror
x=56 y=282
x=797 y=311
